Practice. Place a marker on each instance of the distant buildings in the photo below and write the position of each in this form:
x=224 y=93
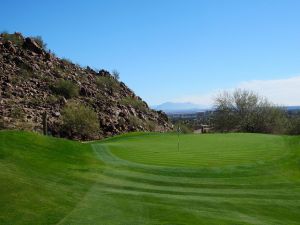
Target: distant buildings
x=194 y=115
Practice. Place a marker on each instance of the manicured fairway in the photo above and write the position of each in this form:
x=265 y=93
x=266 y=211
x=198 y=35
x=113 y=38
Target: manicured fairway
x=143 y=179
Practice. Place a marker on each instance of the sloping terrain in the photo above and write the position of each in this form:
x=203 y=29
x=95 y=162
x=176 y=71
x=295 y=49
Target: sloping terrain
x=42 y=179
x=34 y=81
x=255 y=179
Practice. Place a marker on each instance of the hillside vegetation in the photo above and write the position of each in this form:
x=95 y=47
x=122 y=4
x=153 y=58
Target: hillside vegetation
x=34 y=81
x=143 y=179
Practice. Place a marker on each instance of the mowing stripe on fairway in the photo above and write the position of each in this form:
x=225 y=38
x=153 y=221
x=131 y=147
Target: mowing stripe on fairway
x=228 y=179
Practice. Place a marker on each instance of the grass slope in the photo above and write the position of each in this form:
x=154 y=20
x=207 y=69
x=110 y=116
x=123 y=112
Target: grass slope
x=42 y=179
x=143 y=179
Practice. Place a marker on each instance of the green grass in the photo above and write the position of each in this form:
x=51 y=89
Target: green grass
x=133 y=179
x=42 y=179
x=200 y=150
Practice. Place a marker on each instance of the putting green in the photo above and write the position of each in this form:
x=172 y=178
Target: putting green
x=211 y=150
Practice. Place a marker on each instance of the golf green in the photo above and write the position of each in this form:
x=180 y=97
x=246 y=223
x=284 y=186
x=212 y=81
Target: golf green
x=200 y=150
x=145 y=179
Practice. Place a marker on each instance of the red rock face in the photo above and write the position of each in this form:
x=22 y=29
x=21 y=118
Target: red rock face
x=27 y=73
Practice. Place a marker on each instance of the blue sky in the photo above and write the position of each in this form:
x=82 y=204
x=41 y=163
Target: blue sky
x=174 y=50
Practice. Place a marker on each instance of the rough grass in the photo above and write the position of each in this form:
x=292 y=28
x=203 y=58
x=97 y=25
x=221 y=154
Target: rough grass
x=42 y=179
x=143 y=179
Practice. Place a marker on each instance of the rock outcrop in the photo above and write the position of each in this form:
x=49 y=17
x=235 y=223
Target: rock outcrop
x=27 y=75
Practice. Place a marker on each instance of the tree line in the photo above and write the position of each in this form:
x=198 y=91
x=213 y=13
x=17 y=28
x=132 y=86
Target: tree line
x=246 y=111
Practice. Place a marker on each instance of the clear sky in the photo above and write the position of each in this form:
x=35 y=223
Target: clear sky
x=168 y=50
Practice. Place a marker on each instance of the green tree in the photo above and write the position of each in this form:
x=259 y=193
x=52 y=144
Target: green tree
x=246 y=111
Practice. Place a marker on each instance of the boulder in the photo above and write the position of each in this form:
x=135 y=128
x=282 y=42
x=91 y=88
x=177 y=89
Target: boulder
x=56 y=114
x=10 y=47
x=31 y=45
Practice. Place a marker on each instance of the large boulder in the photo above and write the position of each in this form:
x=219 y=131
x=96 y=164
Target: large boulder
x=31 y=45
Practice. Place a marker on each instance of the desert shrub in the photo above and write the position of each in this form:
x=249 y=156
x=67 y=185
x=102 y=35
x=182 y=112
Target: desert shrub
x=103 y=82
x=134 y=121
x=25 y=72
x=135 y=103
x=45 y=78
x=35 y=101
x=14 y=38
x=294 y=125
x=183 y=128
x=59 y=70
x=65 y=88
x=52 y=99
x=79 y=121
x=17 y=112
x=246 y=111
x=24 y=125
x=116 y=74
x=150 y=125
x=66 y=61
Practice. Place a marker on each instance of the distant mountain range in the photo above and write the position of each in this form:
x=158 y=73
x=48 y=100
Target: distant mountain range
x=187 y=107
x=179 y=107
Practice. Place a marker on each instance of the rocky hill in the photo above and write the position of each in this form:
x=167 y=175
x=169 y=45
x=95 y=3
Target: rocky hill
x=34 y=82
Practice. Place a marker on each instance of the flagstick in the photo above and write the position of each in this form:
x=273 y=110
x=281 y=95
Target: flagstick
x=178 y=129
